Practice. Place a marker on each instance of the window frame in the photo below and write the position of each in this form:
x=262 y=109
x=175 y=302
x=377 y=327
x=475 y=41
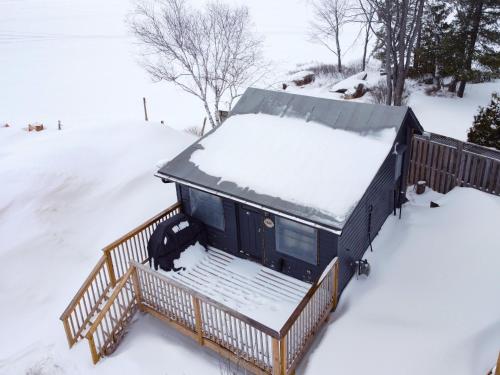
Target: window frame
x=212 y=196
x=279 y=221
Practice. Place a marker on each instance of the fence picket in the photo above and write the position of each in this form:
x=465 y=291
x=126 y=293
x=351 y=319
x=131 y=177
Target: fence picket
x=446 y=162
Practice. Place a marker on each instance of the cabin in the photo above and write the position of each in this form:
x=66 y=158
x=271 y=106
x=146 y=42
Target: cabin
x=293 y=181
x=291 y=190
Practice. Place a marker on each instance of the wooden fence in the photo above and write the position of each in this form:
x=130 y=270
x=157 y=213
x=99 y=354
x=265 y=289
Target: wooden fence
x=113 y=264
x=445 y=162
x=233 y=335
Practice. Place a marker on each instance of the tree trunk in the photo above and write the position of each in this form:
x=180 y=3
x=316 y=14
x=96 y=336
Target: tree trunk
x=209 y=114
x=388 y=44
x=476 y=20
x=365 y=47
x=339 y=59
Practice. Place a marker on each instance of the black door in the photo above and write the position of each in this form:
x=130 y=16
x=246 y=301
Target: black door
x=251 y=240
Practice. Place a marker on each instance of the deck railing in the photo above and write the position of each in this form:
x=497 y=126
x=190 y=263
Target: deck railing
x=87 y=303
x=235 y=336
x=134 y=244
x=120 y=284
x=109 y=326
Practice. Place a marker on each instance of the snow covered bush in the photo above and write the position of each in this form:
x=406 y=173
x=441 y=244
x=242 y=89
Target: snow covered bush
x=379 y=93
x=485 y=130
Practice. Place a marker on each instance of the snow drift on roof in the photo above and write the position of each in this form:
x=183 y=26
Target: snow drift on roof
x=305 y=163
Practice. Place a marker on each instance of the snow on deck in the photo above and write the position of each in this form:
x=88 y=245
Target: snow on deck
x=247 y=287
x=329 y=169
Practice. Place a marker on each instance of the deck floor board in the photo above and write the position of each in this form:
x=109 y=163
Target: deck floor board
x=248 y=287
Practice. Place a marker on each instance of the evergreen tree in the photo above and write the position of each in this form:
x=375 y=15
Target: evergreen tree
x=485 y=130
x=432 y=54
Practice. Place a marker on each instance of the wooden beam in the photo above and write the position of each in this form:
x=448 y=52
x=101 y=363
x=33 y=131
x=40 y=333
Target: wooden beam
x=497 y=371
x=283 y=356
x=198 y=320
x=276 y=357
x=93 y=350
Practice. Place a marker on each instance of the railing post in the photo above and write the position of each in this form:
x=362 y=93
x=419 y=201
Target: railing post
x=335 y=284
x=93 y=350
x=283 y=356
x=137 y=287
x=198 y=319
x=111 y=269
x=69 y=336
x=276 y=357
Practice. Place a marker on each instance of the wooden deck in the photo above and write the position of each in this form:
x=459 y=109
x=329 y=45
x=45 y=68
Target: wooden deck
x=120 y=285
x=245 y=286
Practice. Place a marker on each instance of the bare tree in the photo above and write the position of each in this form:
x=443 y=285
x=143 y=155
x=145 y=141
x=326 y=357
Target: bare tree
x=401 y=21
x=364 y=14
x=206 y=53
x=330 y=16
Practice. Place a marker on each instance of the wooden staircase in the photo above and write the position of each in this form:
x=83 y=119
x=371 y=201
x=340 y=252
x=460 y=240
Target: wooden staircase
x=108 y=287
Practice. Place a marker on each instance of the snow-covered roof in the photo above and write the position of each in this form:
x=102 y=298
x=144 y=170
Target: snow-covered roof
x=310 y=158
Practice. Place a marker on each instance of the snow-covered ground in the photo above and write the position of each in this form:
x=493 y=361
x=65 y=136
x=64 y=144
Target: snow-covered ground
x=430 y=305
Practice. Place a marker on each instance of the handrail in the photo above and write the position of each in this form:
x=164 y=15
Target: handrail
x=108 y=270
x=100 y=263
x=86 y=301
x=133 y=245
x=306 y=299
x=118 y=311
x=268 y=330
x=141 y=227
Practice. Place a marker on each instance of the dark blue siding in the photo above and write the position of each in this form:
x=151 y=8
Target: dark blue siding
x=354 y=240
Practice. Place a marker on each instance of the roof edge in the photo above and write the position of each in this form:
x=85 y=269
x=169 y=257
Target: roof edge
x=333 y=230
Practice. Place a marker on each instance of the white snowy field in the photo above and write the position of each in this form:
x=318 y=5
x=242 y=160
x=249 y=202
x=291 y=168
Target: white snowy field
x=429 y=306
x=75 y=61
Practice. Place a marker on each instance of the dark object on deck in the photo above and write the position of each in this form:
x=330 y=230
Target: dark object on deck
x=420 y=188
x=434 y=204
x=362 y=267
x=172 y=237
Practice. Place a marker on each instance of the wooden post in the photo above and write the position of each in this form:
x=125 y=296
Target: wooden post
x=93 y=350
x=111 y=270
x=283 y=356
x=69 y=336
x=137 y=288
x=458 y=165
x=145 y=109
x=276 y=357
x=497 y=371
x=198 y=321
x=335 y=291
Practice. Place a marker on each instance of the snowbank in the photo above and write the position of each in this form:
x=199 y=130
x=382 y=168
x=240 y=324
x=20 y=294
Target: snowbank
x=430 y=304
x=63 y=196
x=451 y=116
x=305 y=163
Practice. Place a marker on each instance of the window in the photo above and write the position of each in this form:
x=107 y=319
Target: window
x=296 y=240
x=207 y=208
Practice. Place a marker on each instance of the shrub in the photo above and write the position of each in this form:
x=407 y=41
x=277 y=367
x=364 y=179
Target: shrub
x=379 y=93
x=485 y=130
